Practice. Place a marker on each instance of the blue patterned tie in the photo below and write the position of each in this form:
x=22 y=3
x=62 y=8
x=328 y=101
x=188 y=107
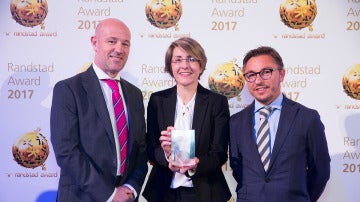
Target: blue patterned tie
x=263 y=139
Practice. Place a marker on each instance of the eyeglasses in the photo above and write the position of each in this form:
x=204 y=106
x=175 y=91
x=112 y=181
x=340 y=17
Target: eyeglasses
x=188 y=59
x=265 y=74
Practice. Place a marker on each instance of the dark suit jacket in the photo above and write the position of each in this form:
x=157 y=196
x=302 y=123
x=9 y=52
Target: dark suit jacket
x=83 y=139
x=210 y=121
x=300 y=163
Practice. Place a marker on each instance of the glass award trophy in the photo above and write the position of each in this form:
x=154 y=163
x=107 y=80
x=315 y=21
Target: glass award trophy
x=182 y=147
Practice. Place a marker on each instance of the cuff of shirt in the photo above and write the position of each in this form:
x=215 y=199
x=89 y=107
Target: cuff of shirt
x=130 y=187
x=189 y=173
x=166 y=157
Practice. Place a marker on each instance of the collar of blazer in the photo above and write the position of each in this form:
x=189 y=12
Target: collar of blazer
x=201 y=104
x=288 y=114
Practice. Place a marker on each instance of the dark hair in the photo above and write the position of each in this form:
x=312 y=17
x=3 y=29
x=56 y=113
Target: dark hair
x=192 y=47
x=264 y=50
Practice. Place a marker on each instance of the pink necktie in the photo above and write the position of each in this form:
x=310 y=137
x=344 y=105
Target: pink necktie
x=120 y=119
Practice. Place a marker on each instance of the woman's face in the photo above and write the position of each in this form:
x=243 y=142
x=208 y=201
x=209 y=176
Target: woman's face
x=186 y=70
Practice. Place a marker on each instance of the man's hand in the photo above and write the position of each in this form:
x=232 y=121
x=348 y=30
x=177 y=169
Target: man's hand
x=123 y=194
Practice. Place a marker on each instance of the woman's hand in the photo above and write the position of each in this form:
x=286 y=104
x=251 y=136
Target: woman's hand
x=165 y=140
x=192 y=165
x=172 y=167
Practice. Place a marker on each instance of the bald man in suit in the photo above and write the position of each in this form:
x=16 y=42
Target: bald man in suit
x=84 y=133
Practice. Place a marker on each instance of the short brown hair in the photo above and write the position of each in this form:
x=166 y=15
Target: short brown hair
x=264 y=50
x=192 y=47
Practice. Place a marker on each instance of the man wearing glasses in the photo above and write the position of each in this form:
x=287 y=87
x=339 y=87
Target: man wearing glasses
x=278 y=148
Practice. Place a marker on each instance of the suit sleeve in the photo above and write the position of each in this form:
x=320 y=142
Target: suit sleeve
x=318 y=158
x=138 y=173
x=234 y=157
x=74 y=164
x=218 y=135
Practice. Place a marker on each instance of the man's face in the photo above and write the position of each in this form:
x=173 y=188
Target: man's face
x=112 y=46
x=264 y=90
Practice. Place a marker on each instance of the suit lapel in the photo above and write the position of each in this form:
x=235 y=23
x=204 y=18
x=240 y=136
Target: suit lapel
x=249 y=135
x=250 y=131
x=169 y=104
x=92 y=87
x=201 y=104
x=287 y=116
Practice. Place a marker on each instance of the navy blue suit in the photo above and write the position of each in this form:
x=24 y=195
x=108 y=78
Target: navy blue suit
x=300 y=163
x=83 y=139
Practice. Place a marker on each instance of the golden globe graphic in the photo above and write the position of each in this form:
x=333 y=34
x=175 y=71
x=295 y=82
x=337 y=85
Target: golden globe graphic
x=164 y=13
x=351 y=82
x=298 y=14
x=29 y=13
x=227 y=79
x=31 y=150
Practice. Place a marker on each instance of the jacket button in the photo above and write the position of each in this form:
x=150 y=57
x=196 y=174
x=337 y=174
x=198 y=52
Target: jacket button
x=267 y=180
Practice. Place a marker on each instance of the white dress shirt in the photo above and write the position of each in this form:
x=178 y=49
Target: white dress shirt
x=183 y=120
x=107 y=92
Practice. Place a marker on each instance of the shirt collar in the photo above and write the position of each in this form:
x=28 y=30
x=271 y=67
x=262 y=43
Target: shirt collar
x=189 y=104
x=102 y=75
x=276 y=104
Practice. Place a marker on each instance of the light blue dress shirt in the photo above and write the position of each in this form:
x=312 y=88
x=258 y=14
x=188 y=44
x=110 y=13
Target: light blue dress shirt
x=273 y=118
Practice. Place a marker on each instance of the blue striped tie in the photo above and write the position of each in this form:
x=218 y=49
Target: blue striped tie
x=263 y=139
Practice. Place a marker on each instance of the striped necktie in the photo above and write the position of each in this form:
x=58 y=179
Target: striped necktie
x=263 y=139
x=120 y=119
